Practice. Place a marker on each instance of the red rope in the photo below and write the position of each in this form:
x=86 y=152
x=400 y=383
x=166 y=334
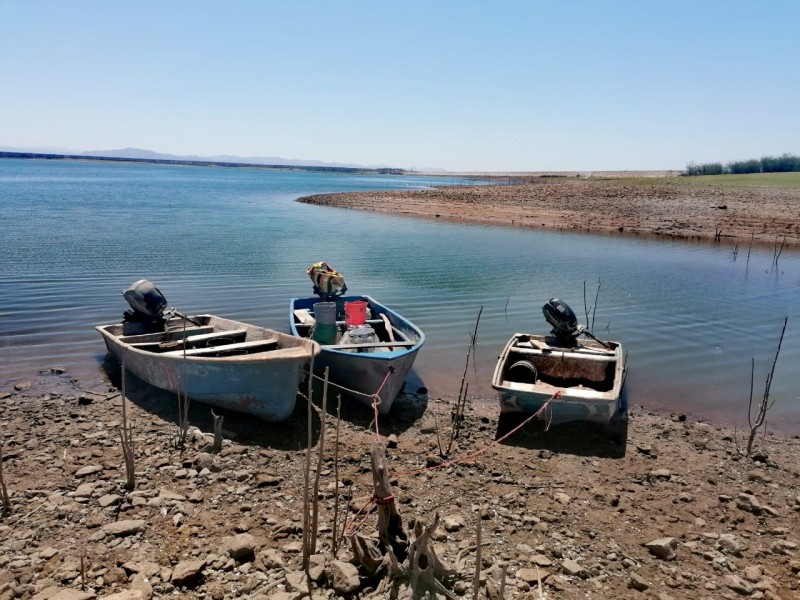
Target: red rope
x=473 y=455
x=376 y=400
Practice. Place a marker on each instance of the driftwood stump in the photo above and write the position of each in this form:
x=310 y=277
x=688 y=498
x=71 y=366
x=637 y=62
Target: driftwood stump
x=390 y=523
x=427 y=570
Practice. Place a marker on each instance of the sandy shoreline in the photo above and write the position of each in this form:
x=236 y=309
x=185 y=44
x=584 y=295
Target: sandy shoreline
x=673 y=512
x=667 y=207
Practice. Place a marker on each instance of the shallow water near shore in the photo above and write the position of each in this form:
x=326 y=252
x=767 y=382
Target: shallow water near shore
x=233 y=242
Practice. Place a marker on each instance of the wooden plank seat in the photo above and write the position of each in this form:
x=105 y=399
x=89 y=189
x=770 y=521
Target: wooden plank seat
x=371 y=345
x=561 y=354
x=165 y=336
x=235 y=335
x=253 y=345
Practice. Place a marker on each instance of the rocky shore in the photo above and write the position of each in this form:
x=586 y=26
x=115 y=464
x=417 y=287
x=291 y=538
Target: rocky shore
x=668 y=510
x=689 y=208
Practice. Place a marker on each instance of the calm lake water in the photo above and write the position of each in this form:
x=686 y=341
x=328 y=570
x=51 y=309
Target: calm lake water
x=233 y=242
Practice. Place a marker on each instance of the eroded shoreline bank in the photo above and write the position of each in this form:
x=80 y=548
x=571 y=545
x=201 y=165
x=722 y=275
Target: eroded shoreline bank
x=654 y=207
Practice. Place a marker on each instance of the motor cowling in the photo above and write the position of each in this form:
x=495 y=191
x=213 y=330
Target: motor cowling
x=144 y=297
x=561 y=318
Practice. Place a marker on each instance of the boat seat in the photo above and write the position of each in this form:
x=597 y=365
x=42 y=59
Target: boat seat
x=236 y=335
x=165 y=336
x=370 y=345
x=258 y=345
x=562 y=354
x=304 y=316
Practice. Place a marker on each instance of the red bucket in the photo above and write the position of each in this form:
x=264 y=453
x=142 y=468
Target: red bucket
x=355 y=313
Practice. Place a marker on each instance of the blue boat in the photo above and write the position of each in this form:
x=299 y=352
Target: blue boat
x=373 y=357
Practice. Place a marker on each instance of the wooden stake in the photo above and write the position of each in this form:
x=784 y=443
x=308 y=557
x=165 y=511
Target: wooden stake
x=320 y=453
x=3 y=490
x=390 y=523
x=336 y=475
x=218 y=419
x=307 y=470
x=476 y=582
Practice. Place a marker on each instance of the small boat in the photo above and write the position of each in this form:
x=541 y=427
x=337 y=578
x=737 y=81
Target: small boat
x=579 y=380
x=217 y=361
x=368 y=348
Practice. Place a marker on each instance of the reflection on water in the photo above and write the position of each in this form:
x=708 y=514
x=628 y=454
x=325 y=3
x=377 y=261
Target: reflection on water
x=234 y=243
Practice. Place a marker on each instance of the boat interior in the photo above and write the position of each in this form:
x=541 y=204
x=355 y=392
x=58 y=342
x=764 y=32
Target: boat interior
x=389 y=337
x=201 y=339
x=533 y=360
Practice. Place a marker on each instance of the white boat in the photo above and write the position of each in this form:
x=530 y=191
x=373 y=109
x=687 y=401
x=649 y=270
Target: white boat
x=578 y=379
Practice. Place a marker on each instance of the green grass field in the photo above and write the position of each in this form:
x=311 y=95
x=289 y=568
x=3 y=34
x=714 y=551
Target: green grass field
x=777 y=180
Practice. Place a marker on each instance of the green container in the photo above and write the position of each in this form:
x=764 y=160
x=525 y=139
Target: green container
x=325 y=334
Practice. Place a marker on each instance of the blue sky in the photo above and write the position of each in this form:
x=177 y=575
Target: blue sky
x=464 y=86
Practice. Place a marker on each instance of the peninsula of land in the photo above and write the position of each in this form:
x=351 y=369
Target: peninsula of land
x=764 y=208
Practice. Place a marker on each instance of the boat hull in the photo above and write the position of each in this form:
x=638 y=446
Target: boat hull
x=262 y=384
x=577 y=384
x=366 y=373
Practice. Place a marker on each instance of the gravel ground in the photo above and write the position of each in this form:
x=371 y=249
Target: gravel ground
x=665 y=508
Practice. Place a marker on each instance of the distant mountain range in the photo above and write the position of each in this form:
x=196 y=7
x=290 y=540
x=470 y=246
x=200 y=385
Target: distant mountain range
x=142 y=154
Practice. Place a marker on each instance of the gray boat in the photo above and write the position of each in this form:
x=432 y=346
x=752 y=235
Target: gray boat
x=211 y=359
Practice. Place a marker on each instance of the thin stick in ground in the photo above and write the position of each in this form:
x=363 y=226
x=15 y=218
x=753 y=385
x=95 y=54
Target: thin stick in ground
x=765 y=405
x=307 y=469
x=3 y=489
x=457 y=414
x=320 y=453
x=335 y=546
x=476 y=581
x=126 y=435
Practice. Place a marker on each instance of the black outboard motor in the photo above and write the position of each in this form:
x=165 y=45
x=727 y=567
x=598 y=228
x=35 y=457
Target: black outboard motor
x=563 y=321
x=148 y=304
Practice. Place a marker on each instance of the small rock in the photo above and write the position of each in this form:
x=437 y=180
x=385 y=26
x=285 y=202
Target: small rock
x=753 y=573
x=265 y=480
x=316 y=566
x=729 y=544
x=391 y=441
x=637 y=583
x=88 y=470
x=561 y=498
x=749 y=503
x=56 y=593
x=22 y=386
x=738 y=585
x=659 y=474
x=343 y=577
x=532 y=576
x=296 y=581
x=453 y=523
x=188 y=572
x=240 y=547
x=109 y=500
x=663 y=548
x=86 y=398
x=123 y=528
x=540 y=560
x=126 y=595
x=53 y=371
x=572 y=568
x=758 y=475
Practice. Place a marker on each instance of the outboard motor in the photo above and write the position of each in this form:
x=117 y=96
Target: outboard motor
x=148 y=306
x=563 y=321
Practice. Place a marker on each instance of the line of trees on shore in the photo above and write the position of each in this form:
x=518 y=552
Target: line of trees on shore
x=767 y=164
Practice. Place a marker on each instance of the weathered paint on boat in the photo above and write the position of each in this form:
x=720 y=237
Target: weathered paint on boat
x=583 y=402
x=263 y=383
x=365 y=372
